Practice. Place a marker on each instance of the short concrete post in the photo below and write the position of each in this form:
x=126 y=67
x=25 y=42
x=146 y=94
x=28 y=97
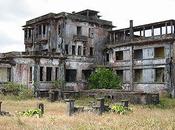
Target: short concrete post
x=51 y=96
x=101 y=104
x=0 y=106
x=70 y=106
x=41 y=107
x=124 y=103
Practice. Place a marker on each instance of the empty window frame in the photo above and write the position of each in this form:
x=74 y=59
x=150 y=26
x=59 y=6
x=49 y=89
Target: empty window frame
x=59 y=29
x=48 y=73
x=44 y=29
x=39 y=29
x=73 y=49
x=107 y=57
x=91 y=51
x=41 y=73
x=30 y=74
x=138 y=73
x=79 y=30
x=119 y=55
x=91 y=33
x=138 y=54
x=9 y=74
x=56 y=73
x=120 y=74
x=79 y=50
x=25 y=33
x=159 y=52
x=86 y=74
x=84 y=51
x=66 y=49
x=71 y=75
x=159 y=75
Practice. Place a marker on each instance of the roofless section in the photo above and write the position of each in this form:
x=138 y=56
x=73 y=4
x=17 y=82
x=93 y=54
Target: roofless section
x=153 y=31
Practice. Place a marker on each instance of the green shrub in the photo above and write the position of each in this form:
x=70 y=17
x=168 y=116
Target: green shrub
x=18 y=90
x=31 y=112
x=57 y=84
x=104 y=78
x=120 y=109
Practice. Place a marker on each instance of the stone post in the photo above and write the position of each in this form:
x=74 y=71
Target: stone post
x=124 y=103
x=101 y=104
x=0 y=106
x=70 y=106
x=41 y=107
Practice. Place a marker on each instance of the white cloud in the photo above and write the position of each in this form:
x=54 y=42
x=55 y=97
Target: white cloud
x=14 y=13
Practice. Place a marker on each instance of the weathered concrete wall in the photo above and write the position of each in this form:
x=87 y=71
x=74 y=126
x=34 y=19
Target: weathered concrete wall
x=3 y=75
x=148 y=64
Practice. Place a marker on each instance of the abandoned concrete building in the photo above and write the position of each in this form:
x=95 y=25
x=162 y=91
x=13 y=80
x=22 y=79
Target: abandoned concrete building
x=68 y=46
x=143 y=56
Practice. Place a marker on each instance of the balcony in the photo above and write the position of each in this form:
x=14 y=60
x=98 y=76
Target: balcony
x=80 y=38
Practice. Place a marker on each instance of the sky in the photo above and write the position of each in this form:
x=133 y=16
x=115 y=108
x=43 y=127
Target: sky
x=14 y=14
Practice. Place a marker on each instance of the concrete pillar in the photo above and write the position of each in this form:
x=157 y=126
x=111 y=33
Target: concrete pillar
x=160 y=31
x=70 y=106
x=152 y=32
x=166 y=29
x=171 y=27
x=131 y=30
x=41 y=107
x=124 y=36
x=101 y=104
x=114 y=37
x=0 y=106
x=143 y=32
x=53 y=73
x=131 y=69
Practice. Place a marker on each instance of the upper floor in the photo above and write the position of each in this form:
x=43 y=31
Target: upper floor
x=143 y=33
x=54 y=32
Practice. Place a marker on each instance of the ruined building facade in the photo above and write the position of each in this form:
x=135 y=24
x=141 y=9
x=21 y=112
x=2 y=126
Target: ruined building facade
x=63 y=46
x=68 y=46
x=143 y=56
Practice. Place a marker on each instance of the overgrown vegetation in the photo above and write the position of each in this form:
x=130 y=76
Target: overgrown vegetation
x=55 y=117
x=31 y=112
x=120 y=109
x=56 y=84
x=104 y=78
x=17 y=90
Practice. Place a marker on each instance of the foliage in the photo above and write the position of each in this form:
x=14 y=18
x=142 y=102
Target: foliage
x=120 y=109
x=21 y=91
x=165 y=103
x=104 y=78
x=57 y=83
x=31 y=112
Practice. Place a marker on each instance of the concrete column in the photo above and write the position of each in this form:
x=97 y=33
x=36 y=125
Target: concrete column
x=101 y=104
x=131 y=70
x=41 y=107
x=131 y=30
x=143 y=32
x=0 y=106
x=160 y=31
x=110 y=38
x=171 y=27
x=114 y=37
x=152 y=32
x=70 y=106
x=53 y=73
x=44 y=73
x=166 y=29
x=124 y=35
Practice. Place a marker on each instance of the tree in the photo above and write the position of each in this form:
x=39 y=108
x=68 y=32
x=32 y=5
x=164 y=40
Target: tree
x=104 y=78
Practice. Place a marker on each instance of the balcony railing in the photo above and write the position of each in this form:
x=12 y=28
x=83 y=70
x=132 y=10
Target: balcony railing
x=80 y=38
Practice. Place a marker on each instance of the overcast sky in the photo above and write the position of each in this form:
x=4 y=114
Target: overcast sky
x=14 y=13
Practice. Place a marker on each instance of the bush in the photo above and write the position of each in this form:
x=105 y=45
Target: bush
x=104 y=78
x=120 y=109
x=18 y=90
x=31 y=112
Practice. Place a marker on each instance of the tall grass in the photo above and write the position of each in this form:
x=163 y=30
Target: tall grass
x=55 y=117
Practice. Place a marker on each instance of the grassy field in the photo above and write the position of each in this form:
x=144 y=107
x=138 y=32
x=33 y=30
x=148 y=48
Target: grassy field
x=160 y=117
